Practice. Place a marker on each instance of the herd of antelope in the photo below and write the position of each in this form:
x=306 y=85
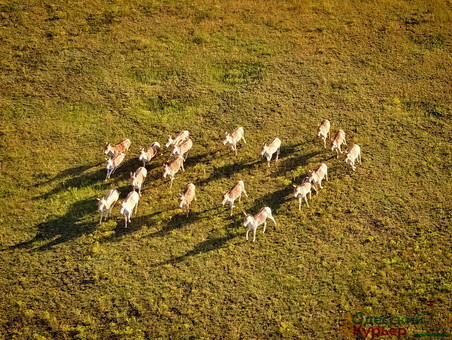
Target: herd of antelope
x=182 y=144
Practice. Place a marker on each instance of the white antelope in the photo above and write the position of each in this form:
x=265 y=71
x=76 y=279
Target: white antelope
x=187 y=197
x=121 y=147
x=234 y=193
x=170 y=169
x=234 y=137
x=353 y=155
x=323 y=131
x=113 y=163
x=106 y=203
x=137 y=178
x=150 y=153
x=269 y=150
x=316 y=177
x=338 y=140
x=183 y=148
x=183 y=135
x=301 y=191
x=252 y=222
x=130 y=203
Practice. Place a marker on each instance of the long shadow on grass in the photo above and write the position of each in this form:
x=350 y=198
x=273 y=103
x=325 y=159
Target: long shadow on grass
x=177 y=221
x=227 y=171
x=192 y=161
x=273 y=200
x=212 y=243
x=293 y=161
x=64 y=228
x=69 y=173
x=78 y=179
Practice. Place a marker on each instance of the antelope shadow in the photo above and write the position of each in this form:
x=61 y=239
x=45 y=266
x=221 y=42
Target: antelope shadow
x=77 y=179
x=227 y=171
x=64 y=228
x=274 y=200
x=70 y=172
x=212 y=243
x=178 y=221
x=293 y=161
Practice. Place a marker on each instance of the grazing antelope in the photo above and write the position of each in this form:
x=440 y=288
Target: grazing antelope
x=301 y=191
x=234 y=137
x=121 y=147
x=269 y=150
x=170 y=169
x=150 y=153
x=183 y=135
x=138 y=178
x=316 y=177
x=234 y=193
x=107 y=202
x=128 y=205
x=113 y=163
x=183 y=148
x=324 y=130
x=338 y=140
x=353 y=155
x=252 y=222
x=187 y=197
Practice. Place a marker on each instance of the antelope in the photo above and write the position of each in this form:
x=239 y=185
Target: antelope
x=324 y=130
x=316 y=177
x=252 y=222
x=170 y=169
x=269 y=150
x=338 y=140
x=234 y=137
x=150 y=153
x=107 y=202
x=183 y=135
x=121 y=147
x=234 y=193
x=187 y=197
x=353 y=155
x=138 y=178
x=128 y=205
x=183 y=148
x=113 y=163
x=301 y=191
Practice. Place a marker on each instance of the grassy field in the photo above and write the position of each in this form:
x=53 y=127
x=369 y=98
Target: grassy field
x=376 y=241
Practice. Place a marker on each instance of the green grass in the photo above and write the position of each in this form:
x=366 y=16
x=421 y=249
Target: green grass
x=375 y=241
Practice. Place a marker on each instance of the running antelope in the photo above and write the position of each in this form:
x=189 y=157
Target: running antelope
x=323 y=131
x=121 y=147
x=113 y=163
x=316 y=177
x=183 y=148
x=353 y=155
x=234 y=137
x=150 y=153
x=187 y=197
x=137 y=178
x=170 y=169
x=106 y=203
x=234 y=193
x=338 y=140
x=130 y=203
x=301 y=191
x=269 y=150
x=252 y=222
x=183 y=135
